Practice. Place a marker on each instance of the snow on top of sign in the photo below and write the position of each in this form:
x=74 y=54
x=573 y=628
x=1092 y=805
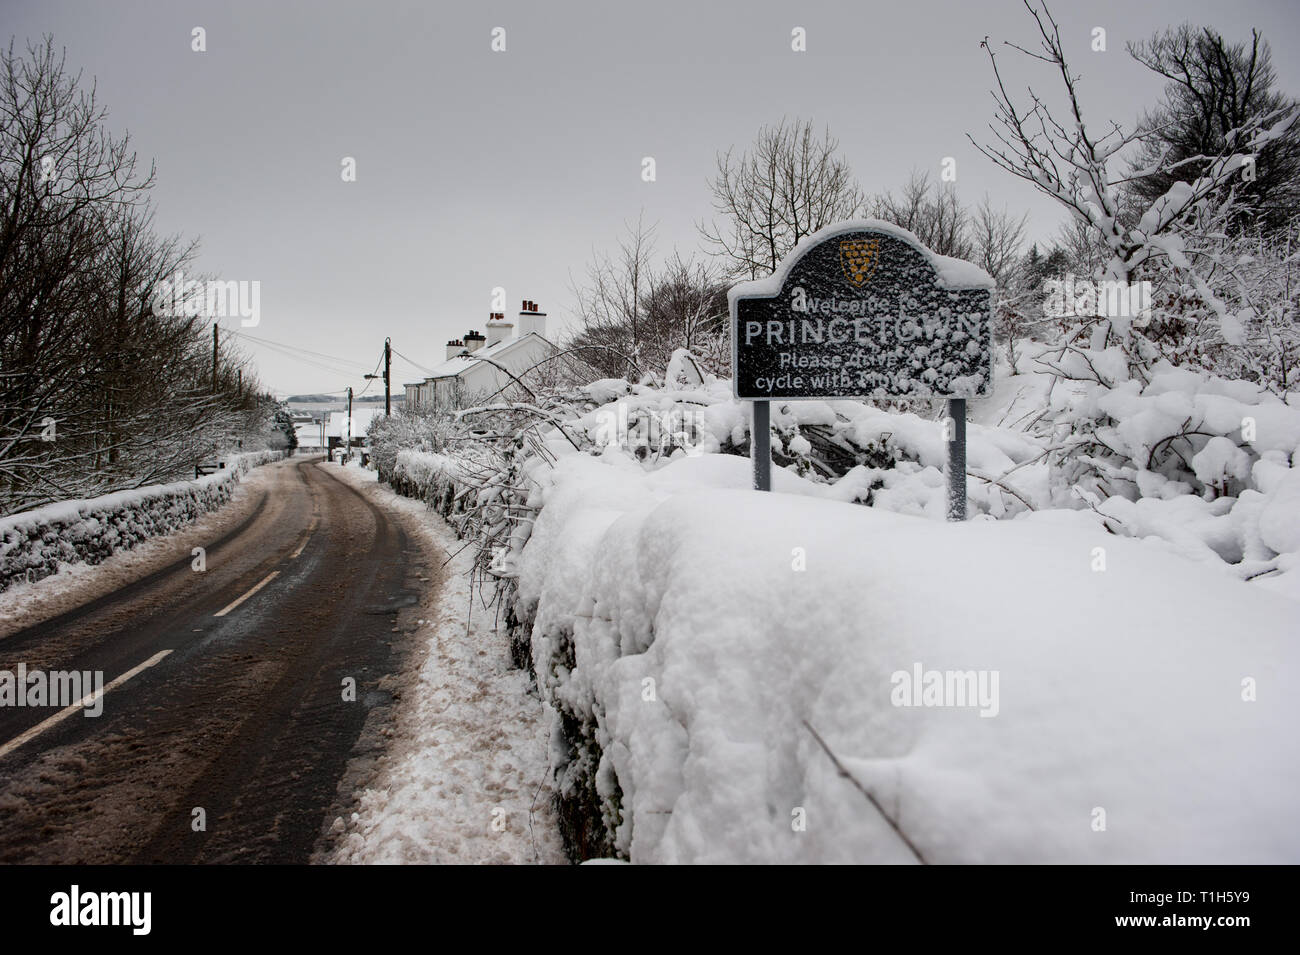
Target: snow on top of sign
x=949 y=272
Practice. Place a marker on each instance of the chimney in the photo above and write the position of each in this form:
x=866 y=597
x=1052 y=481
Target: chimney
x=473 y=340
x=498 y=328
x=531 y=320
x=455 y=347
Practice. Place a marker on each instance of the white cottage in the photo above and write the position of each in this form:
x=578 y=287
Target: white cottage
x=479 y=367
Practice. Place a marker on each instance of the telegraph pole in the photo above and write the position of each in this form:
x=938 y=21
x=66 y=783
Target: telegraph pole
x=388 y=367
x=347 y=451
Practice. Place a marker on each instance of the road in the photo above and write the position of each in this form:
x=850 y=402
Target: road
x=231 y=692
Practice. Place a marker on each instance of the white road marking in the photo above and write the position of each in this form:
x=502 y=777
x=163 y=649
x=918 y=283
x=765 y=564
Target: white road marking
x=229 y=607
x=85 y=701
x=310 y=527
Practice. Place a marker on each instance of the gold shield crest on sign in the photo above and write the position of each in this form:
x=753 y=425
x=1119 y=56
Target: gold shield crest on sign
x=858 y=258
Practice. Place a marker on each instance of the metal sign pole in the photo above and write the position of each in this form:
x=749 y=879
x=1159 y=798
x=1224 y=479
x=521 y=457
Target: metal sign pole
x=760 y=445
x=957 y=460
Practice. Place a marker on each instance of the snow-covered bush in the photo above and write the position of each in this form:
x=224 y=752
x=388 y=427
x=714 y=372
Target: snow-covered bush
x=1200 y=463
x=701 y=643
x=33 y=544
x=412 y=429
x=1180 y=454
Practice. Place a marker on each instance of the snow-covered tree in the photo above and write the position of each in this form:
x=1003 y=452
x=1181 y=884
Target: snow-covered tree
x=1206 y=307
x=97 y=392
x=1214 y=88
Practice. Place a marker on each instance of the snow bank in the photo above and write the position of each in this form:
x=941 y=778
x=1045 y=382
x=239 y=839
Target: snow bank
x=33 y=544
x=464 y=777
x=695 y=639
x=690 y=655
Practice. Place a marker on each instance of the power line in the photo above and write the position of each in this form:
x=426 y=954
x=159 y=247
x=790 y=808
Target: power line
x=370 y=378
x=427 y=371
x=330 y=363
x=308 y=351
x=288 y=352
x=300 y=352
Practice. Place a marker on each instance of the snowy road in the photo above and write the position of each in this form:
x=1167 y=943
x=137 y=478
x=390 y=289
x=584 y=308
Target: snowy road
x=225 y=729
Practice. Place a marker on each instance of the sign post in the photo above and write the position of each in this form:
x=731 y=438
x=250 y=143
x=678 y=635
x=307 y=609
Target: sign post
x=955 y=432
x=861 y=309
x=760 y=445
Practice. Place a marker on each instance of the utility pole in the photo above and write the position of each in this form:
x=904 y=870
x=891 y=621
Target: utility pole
x=347 y=452
x=388 y=367
x=214 y=358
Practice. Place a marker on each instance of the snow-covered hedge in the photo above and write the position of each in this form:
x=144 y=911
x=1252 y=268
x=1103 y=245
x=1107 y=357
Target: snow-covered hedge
x=581 y=489
x=697 y=640
x=34 y=543
x=428 y=476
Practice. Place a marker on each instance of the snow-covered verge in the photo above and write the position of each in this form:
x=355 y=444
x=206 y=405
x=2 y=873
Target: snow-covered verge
x=1200 y=464
x=697 y=639
x=466 y=778
x=1189 y=477
x=35 y=544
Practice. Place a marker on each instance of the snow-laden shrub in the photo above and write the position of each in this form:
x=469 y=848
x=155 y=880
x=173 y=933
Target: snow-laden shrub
x=33 y=544
x=1202 y=464
x=412 y=429
x=715 y=657
x=1183 y=455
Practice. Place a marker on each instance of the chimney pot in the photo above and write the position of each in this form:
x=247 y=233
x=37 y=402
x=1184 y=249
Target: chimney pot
x=531 y=320
x=498 y=329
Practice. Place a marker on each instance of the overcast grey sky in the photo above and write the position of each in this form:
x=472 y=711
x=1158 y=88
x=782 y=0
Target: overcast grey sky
x=478 y=169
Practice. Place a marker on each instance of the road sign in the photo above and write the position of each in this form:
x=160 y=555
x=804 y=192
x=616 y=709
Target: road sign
x=862 y=309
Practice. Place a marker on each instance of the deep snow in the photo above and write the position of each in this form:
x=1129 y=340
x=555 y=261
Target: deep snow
x=1121 y=689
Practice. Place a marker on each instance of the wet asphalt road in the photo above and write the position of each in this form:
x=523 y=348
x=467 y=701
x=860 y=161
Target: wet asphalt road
x=241 y=716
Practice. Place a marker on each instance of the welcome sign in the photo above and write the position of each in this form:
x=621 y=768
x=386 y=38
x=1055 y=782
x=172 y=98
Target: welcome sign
x=862 y=309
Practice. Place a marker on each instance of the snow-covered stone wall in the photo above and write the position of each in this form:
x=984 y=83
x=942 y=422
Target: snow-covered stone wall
x=33 y=544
